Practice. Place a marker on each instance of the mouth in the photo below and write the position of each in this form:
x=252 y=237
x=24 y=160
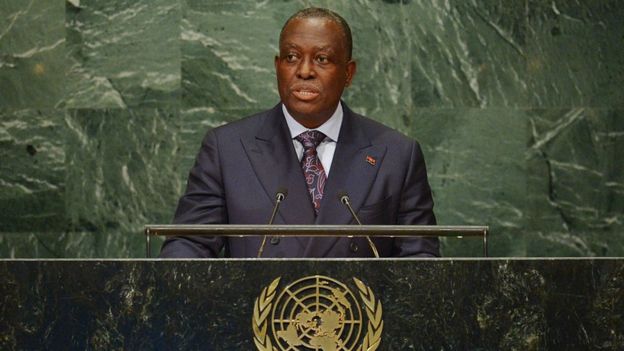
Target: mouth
x=305 y=94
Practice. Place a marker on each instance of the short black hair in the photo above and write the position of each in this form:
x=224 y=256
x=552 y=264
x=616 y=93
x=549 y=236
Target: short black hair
x=319 y=12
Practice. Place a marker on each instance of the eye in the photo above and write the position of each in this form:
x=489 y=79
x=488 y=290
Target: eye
x=322 y=59
x=291 y=57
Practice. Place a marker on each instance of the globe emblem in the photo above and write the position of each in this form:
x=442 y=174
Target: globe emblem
x=316 y=313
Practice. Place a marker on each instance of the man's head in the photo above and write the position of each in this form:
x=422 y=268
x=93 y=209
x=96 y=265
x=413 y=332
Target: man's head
x=314 y=64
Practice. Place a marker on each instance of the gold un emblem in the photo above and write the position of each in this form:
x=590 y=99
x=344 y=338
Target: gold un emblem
x=317 y=313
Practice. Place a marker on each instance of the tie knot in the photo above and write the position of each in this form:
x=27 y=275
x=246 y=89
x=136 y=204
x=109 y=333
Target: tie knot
x=310 y=139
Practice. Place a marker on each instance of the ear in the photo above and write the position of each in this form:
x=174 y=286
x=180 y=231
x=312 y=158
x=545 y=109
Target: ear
x=351 y=69
x=275 y=62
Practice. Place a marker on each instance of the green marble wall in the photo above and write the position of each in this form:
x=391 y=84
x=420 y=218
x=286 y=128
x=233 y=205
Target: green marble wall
x=518 y=106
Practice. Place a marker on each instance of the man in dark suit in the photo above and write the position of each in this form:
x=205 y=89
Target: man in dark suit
x=315 y=147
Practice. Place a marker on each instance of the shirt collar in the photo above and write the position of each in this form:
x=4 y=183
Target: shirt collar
x=331 y=127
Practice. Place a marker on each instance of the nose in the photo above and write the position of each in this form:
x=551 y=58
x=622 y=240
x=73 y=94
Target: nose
x=305 y=70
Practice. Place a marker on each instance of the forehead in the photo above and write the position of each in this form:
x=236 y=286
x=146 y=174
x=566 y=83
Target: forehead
x=317 y=32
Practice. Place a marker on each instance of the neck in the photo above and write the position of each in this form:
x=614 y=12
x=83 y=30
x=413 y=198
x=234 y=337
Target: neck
x=313 y=121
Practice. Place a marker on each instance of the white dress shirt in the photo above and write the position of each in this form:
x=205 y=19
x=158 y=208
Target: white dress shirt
x=331 y=128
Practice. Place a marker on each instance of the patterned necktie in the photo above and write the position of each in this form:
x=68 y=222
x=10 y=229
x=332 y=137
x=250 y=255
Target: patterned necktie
x=312 y=168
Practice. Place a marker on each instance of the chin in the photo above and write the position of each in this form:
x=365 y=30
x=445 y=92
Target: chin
x=302 y=109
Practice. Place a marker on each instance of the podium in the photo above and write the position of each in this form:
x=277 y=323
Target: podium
x=313 y=304
x=426 y=304
x=316 y=311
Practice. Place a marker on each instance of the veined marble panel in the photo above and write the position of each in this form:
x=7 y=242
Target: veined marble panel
x=476 y=166
x=123 y=53
x=576 y=53
x=32 y=53
x=123 y=171
x=32 y=170
x=42 y=244
x=576 y=182
x=467 y=53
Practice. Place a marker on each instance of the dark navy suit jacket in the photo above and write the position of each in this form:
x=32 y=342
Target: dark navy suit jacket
x=243 y=164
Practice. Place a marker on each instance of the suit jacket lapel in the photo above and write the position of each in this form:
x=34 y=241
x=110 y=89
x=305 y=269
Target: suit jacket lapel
x=350 y=173
x=275 y=163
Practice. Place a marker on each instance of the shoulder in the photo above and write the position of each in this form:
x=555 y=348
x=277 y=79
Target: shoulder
x=229 y=135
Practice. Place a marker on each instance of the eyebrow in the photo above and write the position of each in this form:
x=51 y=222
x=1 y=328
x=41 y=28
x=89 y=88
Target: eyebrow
x=324 y=48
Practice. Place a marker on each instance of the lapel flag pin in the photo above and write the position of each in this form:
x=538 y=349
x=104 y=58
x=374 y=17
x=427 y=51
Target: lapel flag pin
x=371 y=160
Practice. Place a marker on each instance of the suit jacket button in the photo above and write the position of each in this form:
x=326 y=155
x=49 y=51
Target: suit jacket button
x=274 y=240
x=353 y=246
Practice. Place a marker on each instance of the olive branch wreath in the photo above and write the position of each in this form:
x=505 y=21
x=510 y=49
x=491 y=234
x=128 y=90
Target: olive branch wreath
x=262 y=307
x=372 y=339
x=263 y=304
